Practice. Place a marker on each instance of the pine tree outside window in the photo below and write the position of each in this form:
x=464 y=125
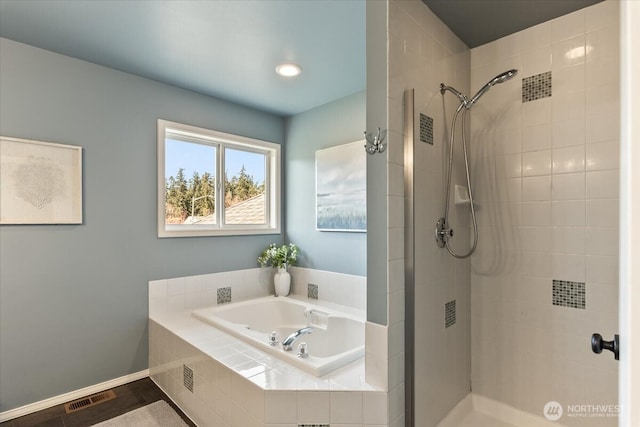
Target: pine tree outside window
x=212 y=183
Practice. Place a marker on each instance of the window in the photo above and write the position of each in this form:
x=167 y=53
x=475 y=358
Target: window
x=212 y=183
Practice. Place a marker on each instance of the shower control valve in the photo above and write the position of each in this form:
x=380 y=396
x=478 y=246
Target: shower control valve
x=442 y=232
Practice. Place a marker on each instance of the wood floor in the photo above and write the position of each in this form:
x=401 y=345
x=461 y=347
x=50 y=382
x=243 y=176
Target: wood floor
x=128 y=397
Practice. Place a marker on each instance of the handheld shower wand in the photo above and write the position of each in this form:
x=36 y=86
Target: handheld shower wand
x=443 y=232
x=500 y=78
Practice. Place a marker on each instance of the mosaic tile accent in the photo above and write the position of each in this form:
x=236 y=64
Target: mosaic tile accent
x=187 y=377
x=426 y=129
x=224 y=295
x=569 y=294
x=450 y=313
x=312 y=291
x=536 y=87
x=314 y=425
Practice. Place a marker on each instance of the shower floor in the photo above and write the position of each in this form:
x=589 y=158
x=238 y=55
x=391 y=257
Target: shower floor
x=479 y=411
x=476 y=419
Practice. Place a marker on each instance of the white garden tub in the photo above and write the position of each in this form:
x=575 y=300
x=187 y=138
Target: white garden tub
x=337 y=338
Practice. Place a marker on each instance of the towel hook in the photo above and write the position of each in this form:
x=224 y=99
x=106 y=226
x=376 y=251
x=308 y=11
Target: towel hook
x=375 y=143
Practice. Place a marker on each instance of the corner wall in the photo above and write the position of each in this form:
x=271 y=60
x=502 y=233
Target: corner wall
x=336 y=123
x=73 y=298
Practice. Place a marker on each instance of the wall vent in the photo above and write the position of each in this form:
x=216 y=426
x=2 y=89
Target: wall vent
x=569 y=294
x=450 y=313
x=426 y=129
x=187 y=377
x=86 y=402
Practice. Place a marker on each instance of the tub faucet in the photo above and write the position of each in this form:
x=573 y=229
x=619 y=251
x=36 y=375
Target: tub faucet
x=287 y=344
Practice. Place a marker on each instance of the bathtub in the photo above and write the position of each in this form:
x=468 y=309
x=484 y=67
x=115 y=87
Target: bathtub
x=337 y=338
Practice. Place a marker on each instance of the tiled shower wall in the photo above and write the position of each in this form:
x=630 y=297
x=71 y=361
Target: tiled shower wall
x=546 y=178
x=423 y=52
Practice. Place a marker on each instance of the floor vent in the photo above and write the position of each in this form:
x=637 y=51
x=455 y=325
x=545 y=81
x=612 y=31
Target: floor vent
x=86 y=402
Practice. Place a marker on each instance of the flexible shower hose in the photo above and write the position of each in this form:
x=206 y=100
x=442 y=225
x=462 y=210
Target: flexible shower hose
x=466 y=166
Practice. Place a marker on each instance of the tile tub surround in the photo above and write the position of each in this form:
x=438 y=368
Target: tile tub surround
x=204 y=290
x=338 y=288
x=180 y=293
x=234 y=384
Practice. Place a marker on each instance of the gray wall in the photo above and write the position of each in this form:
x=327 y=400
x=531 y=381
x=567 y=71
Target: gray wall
x=377 y=168
x=73 y=298
x=336 y=123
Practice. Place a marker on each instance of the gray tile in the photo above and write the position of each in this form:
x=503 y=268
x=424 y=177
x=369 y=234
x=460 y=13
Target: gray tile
x=426 y=129
x=450 y=313
x=187 y=377
x=224 y=295
x=536 y=87
x=312 y=291
x=569 y=294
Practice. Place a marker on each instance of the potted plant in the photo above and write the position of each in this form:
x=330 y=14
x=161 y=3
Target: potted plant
x=280 y=258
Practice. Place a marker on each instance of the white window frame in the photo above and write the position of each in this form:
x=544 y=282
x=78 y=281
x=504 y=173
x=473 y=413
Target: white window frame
x=221 y=140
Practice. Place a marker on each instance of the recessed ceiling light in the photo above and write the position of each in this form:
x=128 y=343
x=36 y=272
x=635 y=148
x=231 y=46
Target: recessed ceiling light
x=288 y=70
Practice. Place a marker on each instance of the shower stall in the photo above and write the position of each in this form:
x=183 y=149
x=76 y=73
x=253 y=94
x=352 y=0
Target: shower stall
x=499 y=314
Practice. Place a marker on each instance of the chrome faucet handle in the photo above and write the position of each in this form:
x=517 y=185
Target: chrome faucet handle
x=303 y=351
x=273 y=339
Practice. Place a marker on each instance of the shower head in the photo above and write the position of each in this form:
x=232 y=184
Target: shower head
x=500 y=78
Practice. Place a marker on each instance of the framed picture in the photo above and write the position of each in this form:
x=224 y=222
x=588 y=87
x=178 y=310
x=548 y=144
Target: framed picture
x=40 y=182
x=341 y=188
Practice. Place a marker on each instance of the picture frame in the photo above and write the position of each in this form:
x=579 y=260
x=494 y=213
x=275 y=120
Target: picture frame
x=341 y=188
x=40 y=182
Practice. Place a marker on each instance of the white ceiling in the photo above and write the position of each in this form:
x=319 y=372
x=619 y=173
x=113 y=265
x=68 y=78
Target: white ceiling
x=225 y=48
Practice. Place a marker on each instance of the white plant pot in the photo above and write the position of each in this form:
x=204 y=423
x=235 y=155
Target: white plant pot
x=282 y=282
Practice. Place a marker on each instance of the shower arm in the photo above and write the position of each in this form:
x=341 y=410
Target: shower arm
x=463 y=98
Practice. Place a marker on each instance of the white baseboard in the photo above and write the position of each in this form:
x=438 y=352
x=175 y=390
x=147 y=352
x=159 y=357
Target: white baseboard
x=72 y=395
